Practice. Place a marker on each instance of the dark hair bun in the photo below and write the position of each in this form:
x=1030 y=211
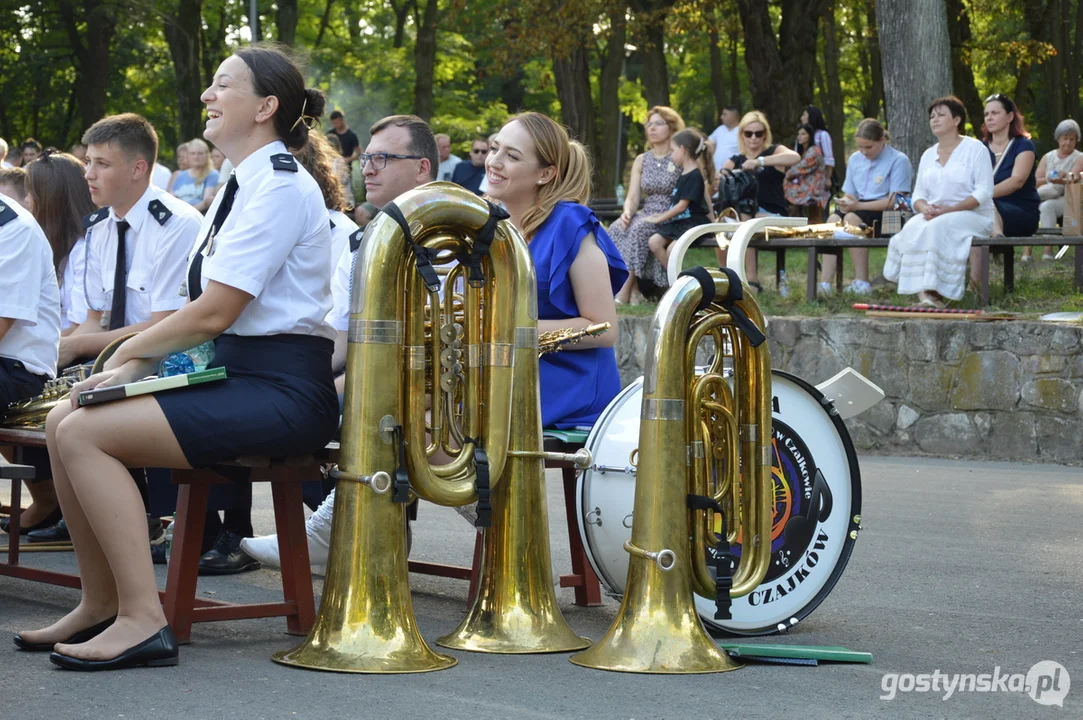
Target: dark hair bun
x=316 y=103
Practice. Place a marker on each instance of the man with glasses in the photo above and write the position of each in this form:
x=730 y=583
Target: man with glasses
x=470 y=174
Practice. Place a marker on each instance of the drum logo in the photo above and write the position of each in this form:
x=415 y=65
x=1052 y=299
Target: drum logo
x=803 y=502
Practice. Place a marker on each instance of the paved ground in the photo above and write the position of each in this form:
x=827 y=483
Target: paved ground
x=961 y=568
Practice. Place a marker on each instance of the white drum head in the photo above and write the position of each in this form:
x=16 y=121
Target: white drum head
x=804 y=566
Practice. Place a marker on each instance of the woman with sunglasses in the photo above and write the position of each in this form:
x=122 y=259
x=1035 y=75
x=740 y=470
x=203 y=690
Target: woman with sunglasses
x=1015 y=192
x=757 y=154
x=654 y=175
x=953 y=199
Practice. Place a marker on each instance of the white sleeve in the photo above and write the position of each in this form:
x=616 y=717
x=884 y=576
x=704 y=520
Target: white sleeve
x=20 y=273
x=250 y=253
x=74 y=274
x=920 y=191
x=339 y=317
x=981 y=174
x=171 y=263
x=92 y=272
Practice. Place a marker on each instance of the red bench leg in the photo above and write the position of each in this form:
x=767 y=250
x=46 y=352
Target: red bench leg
x=810 y=282
x=1009 y=269
x=180 y=586
x=588 y=592
x=984 y=299
x=293 y=552
x=475 y=567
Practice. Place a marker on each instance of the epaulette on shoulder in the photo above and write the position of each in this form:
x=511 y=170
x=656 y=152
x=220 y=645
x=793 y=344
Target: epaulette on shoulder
x=95 y=217
x=6 y=214
x=159 y=211
x=284 y=161
x=355 y=239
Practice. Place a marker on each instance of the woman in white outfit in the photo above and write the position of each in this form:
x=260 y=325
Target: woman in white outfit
x=953 y=197
x=1055 y=166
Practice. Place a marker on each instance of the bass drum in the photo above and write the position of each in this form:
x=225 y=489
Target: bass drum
x=816 y=479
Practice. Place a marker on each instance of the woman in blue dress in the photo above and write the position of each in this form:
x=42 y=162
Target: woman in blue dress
x=543 y=179
x=1015 y=193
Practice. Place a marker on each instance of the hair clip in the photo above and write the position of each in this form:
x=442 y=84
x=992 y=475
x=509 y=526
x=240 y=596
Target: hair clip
x=309 y=121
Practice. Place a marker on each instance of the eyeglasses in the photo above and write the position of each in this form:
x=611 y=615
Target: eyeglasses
x=656 y=123
x=480 y=151
x=379 y=160
x=755 y=133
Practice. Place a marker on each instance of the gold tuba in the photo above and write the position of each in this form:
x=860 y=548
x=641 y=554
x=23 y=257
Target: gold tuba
x=483 y=394
x=702 y=444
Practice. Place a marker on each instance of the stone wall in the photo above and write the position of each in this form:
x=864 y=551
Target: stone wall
x=984 y=390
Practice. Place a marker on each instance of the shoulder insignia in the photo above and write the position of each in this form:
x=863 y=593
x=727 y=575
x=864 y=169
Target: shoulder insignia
x=159 y=211
x=332 y=224
x=95 y=217
x=355 y=239
x=6 y=214
x=284 y=161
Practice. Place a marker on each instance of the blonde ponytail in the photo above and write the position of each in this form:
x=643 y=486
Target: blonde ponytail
x=569 y=157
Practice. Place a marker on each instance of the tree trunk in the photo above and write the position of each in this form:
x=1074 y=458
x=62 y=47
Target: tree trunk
x=655 y=71
x=572 y=75
x=916 y=53
x=213 y=44
x=402 y=10
x=286 y=21
x=607 y=169
x=781 y=71
x=182 y=35
x=92 y=58
x=1076 y=63
x=962 y=76
x=254 y=25
x=1054 y=66
x=735 y=78
x=875 y=97
x=833 y=109
x=718 y=80
x=325 y=21
x=425 y=59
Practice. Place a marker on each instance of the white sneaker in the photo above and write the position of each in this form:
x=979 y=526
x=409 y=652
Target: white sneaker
x=859 y=287
x=318 y=531
x=826 y=289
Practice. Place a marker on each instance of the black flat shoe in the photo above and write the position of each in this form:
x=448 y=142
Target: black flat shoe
x=51 y=519
x=80 y=637
x=226 y=557
x=159 y=650
x=53 y=534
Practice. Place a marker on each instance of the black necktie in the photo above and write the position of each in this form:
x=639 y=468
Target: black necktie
x=120 y=280
x=195 y=272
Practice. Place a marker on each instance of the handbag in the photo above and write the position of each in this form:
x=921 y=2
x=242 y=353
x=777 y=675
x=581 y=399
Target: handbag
x=738 y=189
x=899 y=211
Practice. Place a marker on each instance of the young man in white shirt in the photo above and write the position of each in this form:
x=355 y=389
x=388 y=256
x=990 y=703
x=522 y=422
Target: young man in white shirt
x=724 y=136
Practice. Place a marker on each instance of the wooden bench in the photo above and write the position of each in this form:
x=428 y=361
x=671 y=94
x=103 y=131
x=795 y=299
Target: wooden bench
x=1003 y=246
x=607 y=209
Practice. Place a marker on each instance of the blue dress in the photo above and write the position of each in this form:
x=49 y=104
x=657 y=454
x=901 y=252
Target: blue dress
x=576 y=385
x=1018 y=211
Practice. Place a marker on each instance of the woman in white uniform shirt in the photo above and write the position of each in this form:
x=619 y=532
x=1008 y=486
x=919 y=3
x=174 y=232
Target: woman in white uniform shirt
x=258 y=282
x=953 y=196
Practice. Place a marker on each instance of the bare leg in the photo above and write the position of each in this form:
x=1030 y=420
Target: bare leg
x=998 y=224
x=99 y=600
x=44 y=502
x=97 y=445
x=624 y=295
x=657 y=245
x=859 y=256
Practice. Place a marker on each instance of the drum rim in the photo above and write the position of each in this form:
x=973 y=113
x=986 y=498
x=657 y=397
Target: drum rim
x=850 y=539
x=848 y=543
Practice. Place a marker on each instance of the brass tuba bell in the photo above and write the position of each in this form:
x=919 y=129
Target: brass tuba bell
x=481 y=390
x=704 y=456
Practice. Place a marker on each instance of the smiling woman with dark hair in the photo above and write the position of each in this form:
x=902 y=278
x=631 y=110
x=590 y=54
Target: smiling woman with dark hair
x=257 y=285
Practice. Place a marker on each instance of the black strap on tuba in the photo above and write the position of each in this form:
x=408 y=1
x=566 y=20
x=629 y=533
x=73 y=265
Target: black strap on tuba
x=482 y=243
x=424 y=255
x=402 y=478
x=724 y=561
x=482 y=485
x=736 y=292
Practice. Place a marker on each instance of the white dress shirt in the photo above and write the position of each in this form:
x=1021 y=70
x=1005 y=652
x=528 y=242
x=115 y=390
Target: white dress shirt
x=72 y=297
x=968 y=173
x=725 y=145
x=343 y=228
x=275 y=245
x=29 y=294
x=156 y=248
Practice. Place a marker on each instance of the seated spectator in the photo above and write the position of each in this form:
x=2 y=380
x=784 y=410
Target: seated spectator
x=4 y=164
x=814 y=116
x=724 y=136
x=182 y=165
x=14 y=157
x=875 y=174
x=1055 y=166
x=757 y=154
x=78 y=151
x=13 y=184
x=953 y=199
x=447 y=160
x=196 y=185
x=470 y=174
x=806 y=182
x=31 y=151
x=1015 y=195
x=690 y=201
x=217 y=158
x=340 y=167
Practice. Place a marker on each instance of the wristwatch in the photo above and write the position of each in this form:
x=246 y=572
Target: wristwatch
x=760 y=160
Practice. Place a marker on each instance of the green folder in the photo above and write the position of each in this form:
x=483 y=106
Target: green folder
x=801 y=654
x=153 y=385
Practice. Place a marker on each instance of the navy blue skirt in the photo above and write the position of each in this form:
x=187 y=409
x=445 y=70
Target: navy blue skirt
x=277 y=400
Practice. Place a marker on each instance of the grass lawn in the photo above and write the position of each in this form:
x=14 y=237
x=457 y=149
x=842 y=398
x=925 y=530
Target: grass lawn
x=1040 y=287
